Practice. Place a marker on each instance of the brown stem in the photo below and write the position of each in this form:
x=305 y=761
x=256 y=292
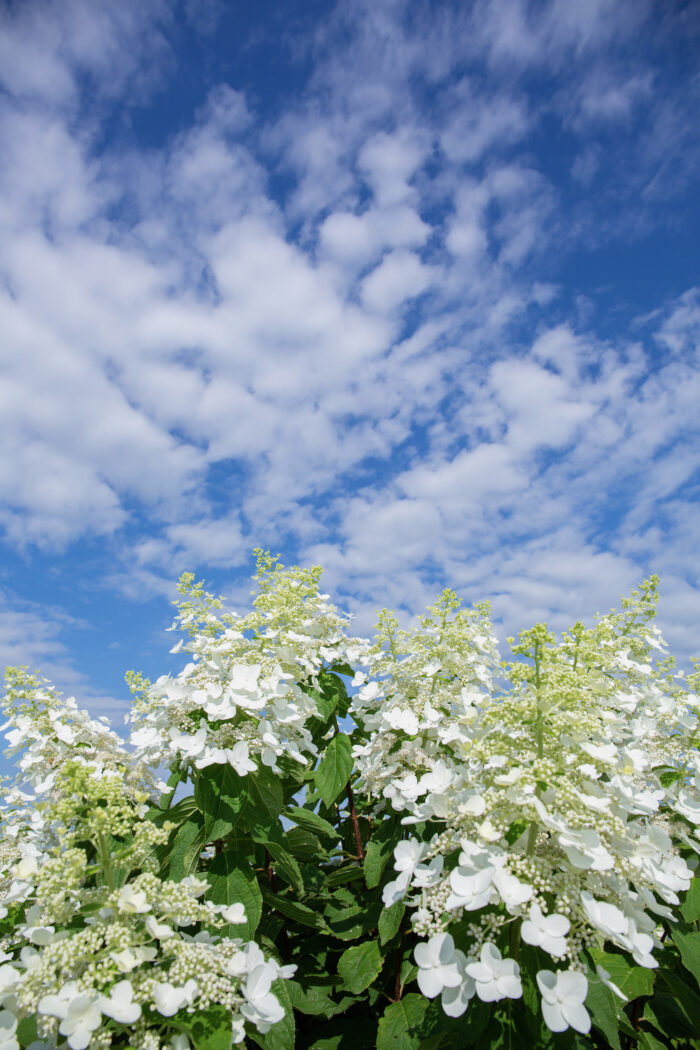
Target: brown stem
x=270 y=872
x=635 y=1018
x=397 y=978
x=355 y=825
x=273 y=886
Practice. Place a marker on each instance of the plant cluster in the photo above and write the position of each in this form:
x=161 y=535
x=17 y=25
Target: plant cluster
x=408 y=844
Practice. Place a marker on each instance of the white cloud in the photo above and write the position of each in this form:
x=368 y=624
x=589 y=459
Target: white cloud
x=377 y=363
x=400 y=276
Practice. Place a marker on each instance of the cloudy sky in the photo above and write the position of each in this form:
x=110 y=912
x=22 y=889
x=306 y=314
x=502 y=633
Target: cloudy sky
x=408 y=289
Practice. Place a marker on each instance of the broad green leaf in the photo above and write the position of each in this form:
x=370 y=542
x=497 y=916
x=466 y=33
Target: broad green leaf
x=390 y=920
x=648 y=1041
x=293 y=910
x=343 y=875
x=600 y=1003
x=231 y=881
x=185 y=848
x=304 y=845
x=26 y=1031
x=220 y=795
x=312 y=822
x=385 y=837
x=398 y=1028
x=358 y=966
x=315 y=1000
x=345 y=669
x=284 y=862
x=690 y=909
x=265 y=790
x=334 y=768
x=665 y=1014
x=177 y=814
x=334 y=693
x=210 y=1029
x=688 y=945
x=686 y=1000
x=670 y=776
x=633 y=981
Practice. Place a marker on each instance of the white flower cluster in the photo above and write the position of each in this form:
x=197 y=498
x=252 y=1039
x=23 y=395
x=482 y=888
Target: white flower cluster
x=247 y=694
x=100 y=948
x=553 y=807
x=45 y=731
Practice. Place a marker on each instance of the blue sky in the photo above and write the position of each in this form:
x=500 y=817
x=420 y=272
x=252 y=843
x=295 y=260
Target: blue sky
x=409 y=289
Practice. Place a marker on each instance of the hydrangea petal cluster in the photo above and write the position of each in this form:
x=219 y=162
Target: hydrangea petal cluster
x=247 y=694
x=103 y=948
x=555 y=790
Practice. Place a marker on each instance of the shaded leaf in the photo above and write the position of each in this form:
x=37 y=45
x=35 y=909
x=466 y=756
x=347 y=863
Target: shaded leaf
x=385 y=836
x=265 y=789
x=305 y=818
x=210 y=1029
x=220 y=795
x=390 y=920
x=690 y=909
x=397 y=1029
x=231 y=881
x=688 y=945
x=358 y=966
x=600 y=1003
x=186 y=846
x=293 y=910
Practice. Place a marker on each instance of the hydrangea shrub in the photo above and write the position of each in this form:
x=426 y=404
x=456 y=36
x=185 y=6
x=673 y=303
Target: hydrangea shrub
x=318 y=840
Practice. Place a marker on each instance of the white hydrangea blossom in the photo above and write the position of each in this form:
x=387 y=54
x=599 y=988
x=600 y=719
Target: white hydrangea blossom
x=101 y=946
x=554 y=790
x=247 y=694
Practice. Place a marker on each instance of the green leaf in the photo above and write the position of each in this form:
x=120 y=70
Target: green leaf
x=315 y=1001
x=281 y=1035
x=665 y=1014
x=186 y=846
x=284 y=862
x=26 y=1030
x=210 y=1029
x=690 y=909
x=293 y=910
x=350 y=920
x=686 y=1003
x=220 y=795
x=231 y=880
x=397 y=1028
x=633 y=981
x=334 y=693
x=334 y=769
x=688 y=945
x=390 y=920
x=265 y=791
x=600 y=1002
x=358 y=966
x=177 y=814
x=304 y=845
x=385 y=836
x=312 y=822
x=648 y=1041
x=670 y=776
x=343 y=875
x=516 y=829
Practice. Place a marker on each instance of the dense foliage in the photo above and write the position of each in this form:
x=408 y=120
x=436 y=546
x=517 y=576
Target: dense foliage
x=406 y=844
